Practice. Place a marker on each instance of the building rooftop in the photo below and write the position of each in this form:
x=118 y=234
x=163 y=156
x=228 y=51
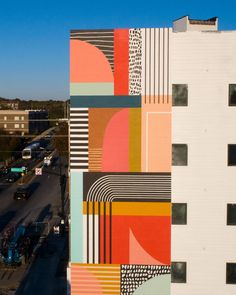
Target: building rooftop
x=185 y=23
x=210 y=21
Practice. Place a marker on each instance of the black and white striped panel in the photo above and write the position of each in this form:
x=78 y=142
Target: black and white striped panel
x=133 y=187
x=102 y=39
x=79 y=139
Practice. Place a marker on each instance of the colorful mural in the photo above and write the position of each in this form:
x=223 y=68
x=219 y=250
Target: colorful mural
x=120 y=161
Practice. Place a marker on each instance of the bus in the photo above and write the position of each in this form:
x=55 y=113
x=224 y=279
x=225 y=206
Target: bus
x=31 y=150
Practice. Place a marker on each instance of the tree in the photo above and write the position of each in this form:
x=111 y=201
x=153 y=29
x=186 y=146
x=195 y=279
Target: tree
x=60 y=140
x=9 y=145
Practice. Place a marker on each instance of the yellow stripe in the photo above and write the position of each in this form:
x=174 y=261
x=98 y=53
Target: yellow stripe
x=141 y=208
x=135 y=140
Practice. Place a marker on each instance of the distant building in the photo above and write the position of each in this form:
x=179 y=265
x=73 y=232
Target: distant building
x=24 y=121
x=9 y=104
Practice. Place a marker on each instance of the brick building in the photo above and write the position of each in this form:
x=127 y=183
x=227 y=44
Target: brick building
x=23 y=121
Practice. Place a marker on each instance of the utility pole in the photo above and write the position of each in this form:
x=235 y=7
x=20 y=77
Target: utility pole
x=63 y=188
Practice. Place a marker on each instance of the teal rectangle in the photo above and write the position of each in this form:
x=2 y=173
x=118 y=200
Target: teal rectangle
x=92 y=88
x=105 y=101
x=16 y=169
x=76 y=185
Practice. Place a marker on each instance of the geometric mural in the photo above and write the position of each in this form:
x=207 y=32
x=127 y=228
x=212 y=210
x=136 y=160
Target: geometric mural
x=120 y=161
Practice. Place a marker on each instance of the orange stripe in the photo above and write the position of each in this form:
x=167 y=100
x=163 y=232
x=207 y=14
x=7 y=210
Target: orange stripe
x=100 y=265
x=121 y=61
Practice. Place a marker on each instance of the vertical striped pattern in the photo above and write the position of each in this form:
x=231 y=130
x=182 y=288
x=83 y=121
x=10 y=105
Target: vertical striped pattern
x=102 y=39
x=79 y=139
x=156 y=65
x=97 y=232
x=95 y=279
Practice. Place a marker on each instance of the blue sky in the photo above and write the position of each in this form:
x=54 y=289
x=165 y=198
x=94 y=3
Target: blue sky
x=34 y=35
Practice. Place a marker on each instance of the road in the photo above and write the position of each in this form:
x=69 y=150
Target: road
x=45 y=197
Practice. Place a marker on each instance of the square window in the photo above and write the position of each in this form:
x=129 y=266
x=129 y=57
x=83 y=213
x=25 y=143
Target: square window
x=179 y=213
x=16 y=118
x=231 y=154
x=179 y=94
x=179 y=154
x=230 y=273
x=178 y=272
x=17 y=126
x=231 y=214
x=232 y=94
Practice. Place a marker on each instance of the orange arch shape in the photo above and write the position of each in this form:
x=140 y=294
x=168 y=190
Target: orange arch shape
x=88 y=63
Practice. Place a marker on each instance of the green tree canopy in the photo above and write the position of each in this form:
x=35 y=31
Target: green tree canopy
x=8 y=144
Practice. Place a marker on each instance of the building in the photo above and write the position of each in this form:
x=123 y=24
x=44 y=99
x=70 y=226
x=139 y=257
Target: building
x=203 y=182
x=151 y=118
x=9 y=104
x=24 y=121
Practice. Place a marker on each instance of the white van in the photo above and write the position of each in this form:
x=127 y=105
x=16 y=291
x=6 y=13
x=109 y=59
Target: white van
x=47 y=160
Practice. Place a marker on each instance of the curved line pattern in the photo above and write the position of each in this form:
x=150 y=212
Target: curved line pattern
x=118 y=187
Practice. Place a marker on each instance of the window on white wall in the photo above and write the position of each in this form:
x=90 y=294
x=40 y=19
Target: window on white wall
x=232 y=94
x=17 y=126
x=5 y=125
x=231 y=214
x=231 y=273
x=5 y=118
x=179 y=154
x=180 y=95
x=22 y=125
x=179 y=213
x=178 y=272
x=22 y=118
x=16 y=118
x=231 y=154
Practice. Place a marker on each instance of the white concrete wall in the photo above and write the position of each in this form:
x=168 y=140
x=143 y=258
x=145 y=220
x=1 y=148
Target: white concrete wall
x=180 y=25
x=206 y=61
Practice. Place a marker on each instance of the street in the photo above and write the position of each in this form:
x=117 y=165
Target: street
x=43 y=203
x=45 y=197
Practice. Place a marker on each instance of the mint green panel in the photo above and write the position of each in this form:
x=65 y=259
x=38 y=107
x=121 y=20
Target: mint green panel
x=91 y=89
x=158 y=285
x=76 y=185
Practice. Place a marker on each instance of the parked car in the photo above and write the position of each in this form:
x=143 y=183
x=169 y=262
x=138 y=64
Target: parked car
x=23 y=193
x=3 y=171
x=47 y=161
x=12 y=177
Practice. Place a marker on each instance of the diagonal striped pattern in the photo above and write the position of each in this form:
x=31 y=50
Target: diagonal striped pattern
x=79 y=139
x=102 y=39
x=131 y=187
x=95 y=279
x=95 y=159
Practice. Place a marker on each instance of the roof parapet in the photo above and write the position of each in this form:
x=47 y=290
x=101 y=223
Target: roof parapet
x=185 y=23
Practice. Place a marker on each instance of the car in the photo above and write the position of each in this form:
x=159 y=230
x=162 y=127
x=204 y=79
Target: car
x=12 y=177
x=47 y=161
x=4 y=171
x=22 y=193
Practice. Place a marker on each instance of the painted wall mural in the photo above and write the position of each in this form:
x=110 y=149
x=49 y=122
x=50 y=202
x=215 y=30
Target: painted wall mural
x=120 y=161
